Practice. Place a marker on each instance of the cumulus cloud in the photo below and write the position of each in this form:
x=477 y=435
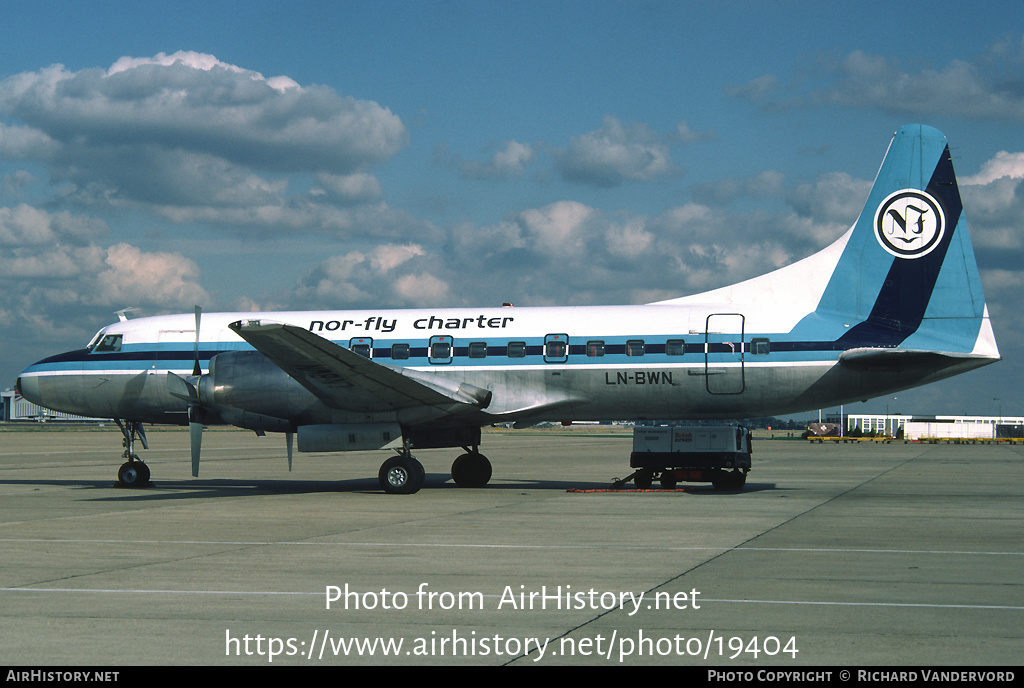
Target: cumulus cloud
x=57 y=282
x=615 y=153
x=25 y=225
x=994 y=207
x=1004 y=164
x=350 y=189
x=393 y=275
x=959 y=88
x=188 y=130
x=509 y=162
x=131 y=276
x=990 y=87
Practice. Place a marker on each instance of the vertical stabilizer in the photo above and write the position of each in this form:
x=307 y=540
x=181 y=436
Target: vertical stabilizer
x=907 y=276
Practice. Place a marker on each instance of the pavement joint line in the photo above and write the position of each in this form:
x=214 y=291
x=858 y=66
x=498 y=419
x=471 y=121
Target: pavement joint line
x=666 y=548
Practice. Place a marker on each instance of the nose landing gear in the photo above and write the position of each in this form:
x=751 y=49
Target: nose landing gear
x=133 y=472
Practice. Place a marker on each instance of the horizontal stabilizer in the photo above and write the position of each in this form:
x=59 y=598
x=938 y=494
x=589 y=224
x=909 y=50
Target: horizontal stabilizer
x=901 y=359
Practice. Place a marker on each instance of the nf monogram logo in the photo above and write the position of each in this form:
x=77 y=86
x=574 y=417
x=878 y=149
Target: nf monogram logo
x=909 y=223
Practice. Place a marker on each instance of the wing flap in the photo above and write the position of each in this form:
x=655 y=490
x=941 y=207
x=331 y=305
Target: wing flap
x=346 y=380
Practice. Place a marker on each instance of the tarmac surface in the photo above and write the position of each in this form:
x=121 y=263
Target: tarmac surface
x=834 y=555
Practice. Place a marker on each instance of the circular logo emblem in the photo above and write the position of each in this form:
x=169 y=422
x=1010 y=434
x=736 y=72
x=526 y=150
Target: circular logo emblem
x=909 y=223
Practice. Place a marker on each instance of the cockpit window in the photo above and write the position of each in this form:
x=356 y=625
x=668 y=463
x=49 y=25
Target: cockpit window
x=109 y=343
x=95 y=339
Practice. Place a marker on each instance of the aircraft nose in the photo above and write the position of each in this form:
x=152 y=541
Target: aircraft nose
x=28 y=387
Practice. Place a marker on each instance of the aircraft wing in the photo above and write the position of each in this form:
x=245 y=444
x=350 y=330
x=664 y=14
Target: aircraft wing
x=346 y=380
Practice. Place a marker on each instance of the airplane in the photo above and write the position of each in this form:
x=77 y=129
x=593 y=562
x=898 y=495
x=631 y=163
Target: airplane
x=894 y=303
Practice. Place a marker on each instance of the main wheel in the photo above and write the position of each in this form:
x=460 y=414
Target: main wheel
x=133 y=474
x=401 y=475
x=471 y=470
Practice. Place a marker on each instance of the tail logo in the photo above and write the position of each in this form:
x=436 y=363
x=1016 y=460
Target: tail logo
x=909 y=223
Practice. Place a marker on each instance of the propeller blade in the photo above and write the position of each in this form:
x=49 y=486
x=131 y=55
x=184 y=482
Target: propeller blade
x=288 y=440
x=195 y=436
x=196 y=370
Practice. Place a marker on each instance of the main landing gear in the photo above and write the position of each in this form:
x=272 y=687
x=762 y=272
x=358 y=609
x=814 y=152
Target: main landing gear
x=403 y=474
x=133 y=472
x=471 y=469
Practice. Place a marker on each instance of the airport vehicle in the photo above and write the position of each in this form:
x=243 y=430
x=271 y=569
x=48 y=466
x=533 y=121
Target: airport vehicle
x=894 y=303
x=719 y=454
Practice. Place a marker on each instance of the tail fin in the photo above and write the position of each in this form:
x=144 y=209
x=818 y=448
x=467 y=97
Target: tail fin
x=907 y=276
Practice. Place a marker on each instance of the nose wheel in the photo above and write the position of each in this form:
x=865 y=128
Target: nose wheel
x=133 y=474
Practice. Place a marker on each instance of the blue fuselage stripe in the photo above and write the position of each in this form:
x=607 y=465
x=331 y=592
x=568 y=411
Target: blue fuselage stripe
x=138 y=358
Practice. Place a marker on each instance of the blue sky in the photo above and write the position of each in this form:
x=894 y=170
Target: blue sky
x=262 y=155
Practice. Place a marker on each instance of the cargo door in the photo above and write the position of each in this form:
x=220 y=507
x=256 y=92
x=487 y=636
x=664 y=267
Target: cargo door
x=723 y=353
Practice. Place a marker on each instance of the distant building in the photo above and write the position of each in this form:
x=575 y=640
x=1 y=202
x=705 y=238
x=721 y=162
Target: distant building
x=19 y=409
x=913 y=425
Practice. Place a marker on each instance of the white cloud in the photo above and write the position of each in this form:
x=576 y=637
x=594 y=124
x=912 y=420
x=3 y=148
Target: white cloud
x=615 y=153
x=197 y=61
x=25 y=225
x=162 y=279
x=509 y=162
x=1004 y=164
x=396 y=275
x=990 y=87
x=351 y=188
x=187 y=129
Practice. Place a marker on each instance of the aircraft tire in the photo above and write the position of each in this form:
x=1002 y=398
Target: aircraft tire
x=133 y=474
x=471 y=470
x=401 y=475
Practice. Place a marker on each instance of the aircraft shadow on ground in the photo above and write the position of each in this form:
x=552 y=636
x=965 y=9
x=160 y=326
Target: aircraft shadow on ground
x=162 y=490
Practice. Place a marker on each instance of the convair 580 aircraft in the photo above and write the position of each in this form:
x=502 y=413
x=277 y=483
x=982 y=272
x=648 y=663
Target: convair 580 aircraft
x=894 y=303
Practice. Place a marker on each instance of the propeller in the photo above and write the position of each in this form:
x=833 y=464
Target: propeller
x=196 y=370
x=188 y=392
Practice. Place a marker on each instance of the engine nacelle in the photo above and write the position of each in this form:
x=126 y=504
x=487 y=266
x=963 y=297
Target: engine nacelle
x=247 y=382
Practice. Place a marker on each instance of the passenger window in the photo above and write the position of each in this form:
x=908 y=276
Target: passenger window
x=675 y=347
x=595 y=348
x=760 y=346
x=110 y=343
x=361 y=346
x=635 y=347
x=400 y=352
x=517 y=349
x=478 y=349
x=556 y=346
x=441 y=350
